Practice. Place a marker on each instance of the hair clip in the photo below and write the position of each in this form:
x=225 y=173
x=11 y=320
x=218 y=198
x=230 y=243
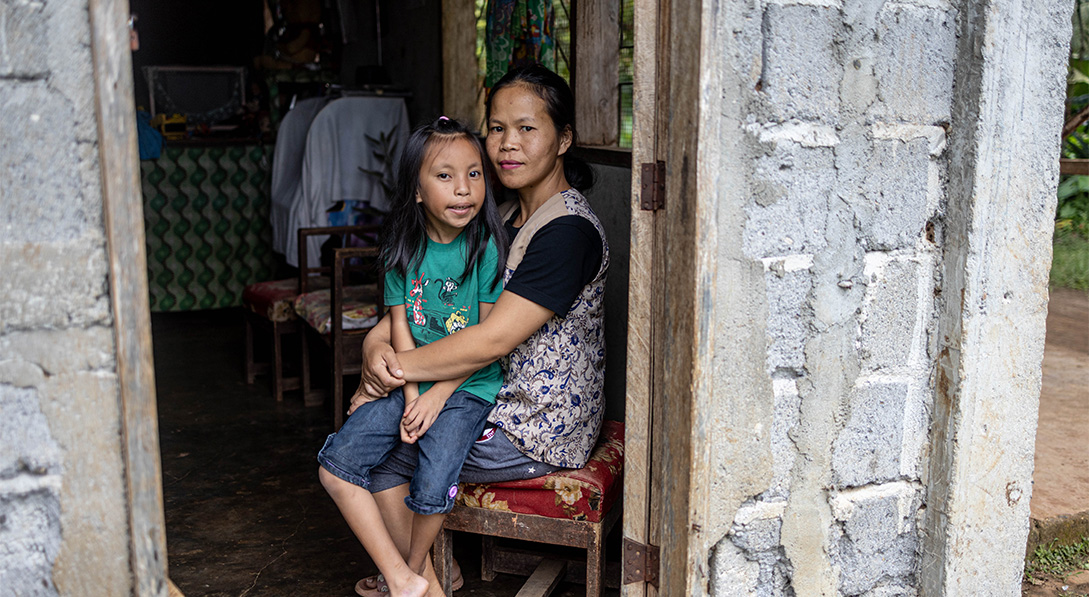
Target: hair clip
x=443 y=118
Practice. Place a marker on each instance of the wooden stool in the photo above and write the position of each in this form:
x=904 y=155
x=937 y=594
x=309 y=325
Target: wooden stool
x=571 y=507
x=270 y=305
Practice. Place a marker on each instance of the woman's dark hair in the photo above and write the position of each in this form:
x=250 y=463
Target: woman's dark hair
x=560 y=105
x=405 y=239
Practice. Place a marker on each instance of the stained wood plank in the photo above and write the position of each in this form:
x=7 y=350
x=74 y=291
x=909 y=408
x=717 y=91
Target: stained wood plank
x=123 y=210
x=522 y=562
x=443 y=556
x=459 y=69
x=684 y=364
x=597 y=76
x=544 y=579
x=1072 y=166
x=637 y=424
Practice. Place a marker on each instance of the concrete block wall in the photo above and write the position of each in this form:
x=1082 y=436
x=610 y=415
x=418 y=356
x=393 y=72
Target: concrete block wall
x=63 y=524
x=843 y=118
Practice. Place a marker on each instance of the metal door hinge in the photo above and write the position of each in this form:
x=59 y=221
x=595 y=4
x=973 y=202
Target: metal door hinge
x=640 y=561
x=652 y=186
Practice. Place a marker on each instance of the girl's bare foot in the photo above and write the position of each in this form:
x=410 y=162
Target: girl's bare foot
x=409 y=584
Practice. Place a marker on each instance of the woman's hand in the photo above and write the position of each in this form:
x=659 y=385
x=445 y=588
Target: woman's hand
x=377 y=378
x=381 y=369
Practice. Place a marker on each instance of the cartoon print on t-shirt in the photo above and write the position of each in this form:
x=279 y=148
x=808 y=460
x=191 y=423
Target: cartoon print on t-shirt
x=457 y=320
x=416 y=294
x=436 y=326
x=448 y=292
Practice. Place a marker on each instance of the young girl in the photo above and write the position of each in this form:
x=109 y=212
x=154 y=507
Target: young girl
x=443 y=253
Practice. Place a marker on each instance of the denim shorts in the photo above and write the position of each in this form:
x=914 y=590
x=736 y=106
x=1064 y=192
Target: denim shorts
x=373 y=431
x=493 y=458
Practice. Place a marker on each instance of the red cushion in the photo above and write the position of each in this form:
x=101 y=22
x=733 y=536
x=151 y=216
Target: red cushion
x=579 y=494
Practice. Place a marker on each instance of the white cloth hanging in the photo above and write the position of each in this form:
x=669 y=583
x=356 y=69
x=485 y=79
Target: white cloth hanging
x=339 y=148
x=287 y=163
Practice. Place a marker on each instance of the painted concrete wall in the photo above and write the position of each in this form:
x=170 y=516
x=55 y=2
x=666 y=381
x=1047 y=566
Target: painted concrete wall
x=882 y=176
x=63 y=520
x=611 y=200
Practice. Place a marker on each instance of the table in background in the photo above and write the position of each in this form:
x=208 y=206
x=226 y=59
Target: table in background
x=206 y=215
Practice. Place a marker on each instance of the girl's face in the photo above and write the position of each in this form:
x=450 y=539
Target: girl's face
x=522 y=142
x=452 y=187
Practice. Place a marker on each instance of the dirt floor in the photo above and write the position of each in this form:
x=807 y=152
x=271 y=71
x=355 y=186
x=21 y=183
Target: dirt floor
x=1061 y=480
x=245 y=514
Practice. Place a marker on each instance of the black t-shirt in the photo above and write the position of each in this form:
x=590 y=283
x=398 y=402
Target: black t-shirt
x=561 y=260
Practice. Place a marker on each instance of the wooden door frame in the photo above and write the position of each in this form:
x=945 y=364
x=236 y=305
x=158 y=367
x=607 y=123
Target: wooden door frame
x=637 y=412
x=669 y=325
x=123 y=210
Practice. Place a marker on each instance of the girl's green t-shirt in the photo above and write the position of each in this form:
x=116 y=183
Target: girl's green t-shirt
x=438 y=302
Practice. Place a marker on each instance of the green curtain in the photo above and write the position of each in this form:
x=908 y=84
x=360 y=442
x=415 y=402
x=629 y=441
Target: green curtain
x=518 y=33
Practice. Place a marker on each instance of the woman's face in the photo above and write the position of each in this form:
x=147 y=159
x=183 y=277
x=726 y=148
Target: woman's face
x=522 y=142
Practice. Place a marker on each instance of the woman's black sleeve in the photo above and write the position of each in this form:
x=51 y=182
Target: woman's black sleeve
x=561 y=260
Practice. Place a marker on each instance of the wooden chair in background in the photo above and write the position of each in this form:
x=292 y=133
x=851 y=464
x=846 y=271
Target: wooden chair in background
x=270 y=307
x=340 y=316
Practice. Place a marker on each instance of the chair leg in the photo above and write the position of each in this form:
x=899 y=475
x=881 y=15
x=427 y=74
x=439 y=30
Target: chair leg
x=338 y=387
x=595 y=564
x=251 y=368
x=308 y=392
x=487 y=558
x=444 y=559
x=277 y=362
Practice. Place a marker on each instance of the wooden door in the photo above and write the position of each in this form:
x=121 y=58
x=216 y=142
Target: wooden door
x=663 y=495
x=644 y=284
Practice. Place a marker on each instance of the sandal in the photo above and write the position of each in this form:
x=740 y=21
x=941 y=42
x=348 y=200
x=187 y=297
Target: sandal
x=375 y=586
x=372 y=586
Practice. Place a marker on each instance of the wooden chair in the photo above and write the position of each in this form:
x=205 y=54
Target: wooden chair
x=270 y=307
x=572 y=507
x=324 y=312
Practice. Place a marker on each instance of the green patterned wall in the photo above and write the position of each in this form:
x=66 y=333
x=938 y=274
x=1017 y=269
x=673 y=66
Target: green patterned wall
x=206 y=216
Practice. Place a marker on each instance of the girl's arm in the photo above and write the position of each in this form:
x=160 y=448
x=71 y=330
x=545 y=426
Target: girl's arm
x=511 y=321
x=420 y=415
x=401 y=336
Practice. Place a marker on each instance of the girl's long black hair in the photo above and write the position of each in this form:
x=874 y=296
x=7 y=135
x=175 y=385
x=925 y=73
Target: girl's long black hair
x=405 y=239
x=560 y=105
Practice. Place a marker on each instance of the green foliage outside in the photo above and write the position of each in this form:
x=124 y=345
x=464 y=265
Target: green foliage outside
x=1070 y=264
x=1057 y=560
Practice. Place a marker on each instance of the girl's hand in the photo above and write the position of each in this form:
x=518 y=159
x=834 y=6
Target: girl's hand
x=421 y=413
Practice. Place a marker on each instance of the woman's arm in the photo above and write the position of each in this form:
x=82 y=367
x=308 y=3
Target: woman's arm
x=511 y=321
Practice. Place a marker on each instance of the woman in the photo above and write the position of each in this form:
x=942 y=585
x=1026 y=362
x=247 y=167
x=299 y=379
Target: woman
x=549 y=318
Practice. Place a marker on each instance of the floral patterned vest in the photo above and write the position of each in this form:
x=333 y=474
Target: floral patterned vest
x=552 y=401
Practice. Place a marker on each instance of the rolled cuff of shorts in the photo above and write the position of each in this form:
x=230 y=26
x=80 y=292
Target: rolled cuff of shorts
x=428 y=505
x=339 y=470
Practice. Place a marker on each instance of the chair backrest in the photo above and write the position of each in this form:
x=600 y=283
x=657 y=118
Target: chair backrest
x=307 y=271
x=363 y=260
